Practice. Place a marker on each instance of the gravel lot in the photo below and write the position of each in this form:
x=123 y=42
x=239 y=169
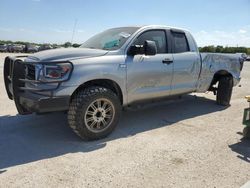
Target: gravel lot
x=190 y=142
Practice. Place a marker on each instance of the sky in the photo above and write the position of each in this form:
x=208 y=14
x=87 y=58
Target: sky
x=212 y=22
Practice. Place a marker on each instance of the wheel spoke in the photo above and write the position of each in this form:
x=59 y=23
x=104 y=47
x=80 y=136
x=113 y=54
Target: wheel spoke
x=90 y=119
x=99 y=104
x=98 y=126
x=105 y=104
x=93 y=106
x=104 y=122
x=90 y=113
x=108 y=109
x=92 y=124
x=108 y=116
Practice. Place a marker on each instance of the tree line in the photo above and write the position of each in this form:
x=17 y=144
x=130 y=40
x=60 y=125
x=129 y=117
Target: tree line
x=221 y=49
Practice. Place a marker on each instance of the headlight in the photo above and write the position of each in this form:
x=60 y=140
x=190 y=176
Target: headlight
x=55 y=72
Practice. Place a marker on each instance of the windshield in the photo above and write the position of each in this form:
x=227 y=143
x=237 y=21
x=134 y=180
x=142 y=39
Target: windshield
x=111 y=39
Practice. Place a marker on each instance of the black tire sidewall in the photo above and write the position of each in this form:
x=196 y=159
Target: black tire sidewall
x=80 y=125
x=224 y=92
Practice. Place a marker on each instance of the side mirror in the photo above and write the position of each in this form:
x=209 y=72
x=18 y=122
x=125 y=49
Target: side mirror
x=150 y=47
x=136 y=49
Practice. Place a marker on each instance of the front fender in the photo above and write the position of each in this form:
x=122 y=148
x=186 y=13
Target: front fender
x=96 y=69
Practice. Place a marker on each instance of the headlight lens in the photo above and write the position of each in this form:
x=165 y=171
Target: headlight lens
x=56 y=72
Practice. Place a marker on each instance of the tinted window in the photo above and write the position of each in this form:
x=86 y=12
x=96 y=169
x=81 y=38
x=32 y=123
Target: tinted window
x=158 y=36
x=180 y=42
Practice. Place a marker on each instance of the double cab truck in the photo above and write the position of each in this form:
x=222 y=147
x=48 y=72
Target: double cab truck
x=114 y=69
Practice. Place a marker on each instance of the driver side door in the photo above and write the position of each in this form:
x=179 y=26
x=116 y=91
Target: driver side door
x=150 y=77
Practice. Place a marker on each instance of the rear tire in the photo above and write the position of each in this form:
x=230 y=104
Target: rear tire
x=224 y=92
x=94 y=113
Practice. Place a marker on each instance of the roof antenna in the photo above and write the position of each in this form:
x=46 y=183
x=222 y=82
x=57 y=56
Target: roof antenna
x=73 y=32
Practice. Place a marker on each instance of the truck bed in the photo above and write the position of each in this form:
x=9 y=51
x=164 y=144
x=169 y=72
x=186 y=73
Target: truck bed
x=215 y=62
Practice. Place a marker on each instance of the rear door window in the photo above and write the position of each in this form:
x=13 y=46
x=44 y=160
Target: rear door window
x=180 y=43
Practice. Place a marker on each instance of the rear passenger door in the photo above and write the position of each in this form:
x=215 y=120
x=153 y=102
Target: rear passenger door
x=186 y=64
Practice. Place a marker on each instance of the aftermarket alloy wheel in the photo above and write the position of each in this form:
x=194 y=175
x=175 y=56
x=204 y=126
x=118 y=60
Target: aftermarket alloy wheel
x=94 y=112
x=99 y=115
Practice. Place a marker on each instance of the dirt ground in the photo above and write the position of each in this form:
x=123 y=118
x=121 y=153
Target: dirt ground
x=190 y=142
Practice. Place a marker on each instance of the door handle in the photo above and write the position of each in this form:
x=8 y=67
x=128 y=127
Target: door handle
x=167 y=61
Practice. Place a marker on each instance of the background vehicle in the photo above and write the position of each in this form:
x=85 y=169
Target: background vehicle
x=3 y=48
x=116 y=68
x=29 y=48
x=45 y=47
x=16 y=48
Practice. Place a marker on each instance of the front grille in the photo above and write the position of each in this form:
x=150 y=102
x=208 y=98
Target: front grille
x=30 y=72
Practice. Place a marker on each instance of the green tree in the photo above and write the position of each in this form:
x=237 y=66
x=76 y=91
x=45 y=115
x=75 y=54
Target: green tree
x=219 y=49
x=75 y=45
x=248 y=51
x=67 y=44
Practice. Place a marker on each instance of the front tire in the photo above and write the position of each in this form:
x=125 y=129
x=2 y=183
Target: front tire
x=224 y=92
x=94 y=113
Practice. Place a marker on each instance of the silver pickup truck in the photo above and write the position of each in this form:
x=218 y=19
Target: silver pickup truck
x=114 y=69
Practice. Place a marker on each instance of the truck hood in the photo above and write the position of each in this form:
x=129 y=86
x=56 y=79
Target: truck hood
x=66 y=54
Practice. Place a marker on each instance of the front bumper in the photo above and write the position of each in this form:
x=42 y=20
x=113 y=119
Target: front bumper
x=41 y=104
x=29 y=100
